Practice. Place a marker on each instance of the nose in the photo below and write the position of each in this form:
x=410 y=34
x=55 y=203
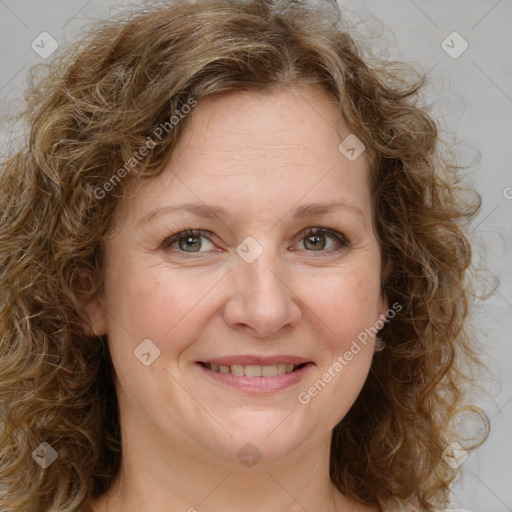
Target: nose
x=262 y=302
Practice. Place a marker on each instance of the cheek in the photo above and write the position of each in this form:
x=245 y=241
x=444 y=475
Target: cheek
x=345 y=310
x=153 y=303
x=345 y=302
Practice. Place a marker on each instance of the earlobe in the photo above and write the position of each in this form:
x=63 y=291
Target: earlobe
x=92 y=310
x=96 y=325
x=383 y=304
x=383 y=310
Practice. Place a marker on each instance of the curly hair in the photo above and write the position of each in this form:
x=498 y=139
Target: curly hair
x=95 y=107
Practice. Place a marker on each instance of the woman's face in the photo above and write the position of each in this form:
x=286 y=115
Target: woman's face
x=253 y=289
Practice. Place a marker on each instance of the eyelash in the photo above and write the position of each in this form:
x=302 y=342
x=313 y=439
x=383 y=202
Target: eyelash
x=341 y=240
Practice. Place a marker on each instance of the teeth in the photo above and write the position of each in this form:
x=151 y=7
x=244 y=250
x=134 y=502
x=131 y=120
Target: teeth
x=236 y=369
x=253 y=370
x=269 y=371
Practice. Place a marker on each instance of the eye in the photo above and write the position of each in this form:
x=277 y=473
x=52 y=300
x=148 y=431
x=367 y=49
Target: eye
x=315 y=240
x=188 y=241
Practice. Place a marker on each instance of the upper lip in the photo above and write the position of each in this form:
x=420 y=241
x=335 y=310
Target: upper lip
x=256 y=360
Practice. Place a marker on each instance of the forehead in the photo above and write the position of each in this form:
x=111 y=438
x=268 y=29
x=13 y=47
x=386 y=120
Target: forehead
x=290 y=122
x=250 y=149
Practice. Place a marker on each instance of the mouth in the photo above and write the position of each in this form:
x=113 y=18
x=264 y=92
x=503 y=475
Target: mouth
x=253 y=370
x=256 y=375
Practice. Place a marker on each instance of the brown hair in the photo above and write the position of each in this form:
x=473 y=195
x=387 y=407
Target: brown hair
x=99 y=102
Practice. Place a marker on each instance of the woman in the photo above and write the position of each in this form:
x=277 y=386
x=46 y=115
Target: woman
x=234 y=273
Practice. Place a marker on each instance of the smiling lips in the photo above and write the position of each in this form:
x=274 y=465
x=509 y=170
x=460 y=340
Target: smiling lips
x=256 y=375
x=254 y=370
x=255 y=366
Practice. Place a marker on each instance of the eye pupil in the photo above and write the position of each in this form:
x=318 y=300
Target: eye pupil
x=317 y=241
x=191 y=242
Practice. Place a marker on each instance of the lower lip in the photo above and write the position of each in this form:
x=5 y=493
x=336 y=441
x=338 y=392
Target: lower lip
x=258 y=385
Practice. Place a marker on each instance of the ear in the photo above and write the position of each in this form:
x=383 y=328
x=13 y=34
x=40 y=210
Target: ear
x=92 y=308
x=383 y=301
x=383 y=305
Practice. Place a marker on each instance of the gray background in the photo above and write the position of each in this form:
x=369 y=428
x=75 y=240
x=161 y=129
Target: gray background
x=473 y=103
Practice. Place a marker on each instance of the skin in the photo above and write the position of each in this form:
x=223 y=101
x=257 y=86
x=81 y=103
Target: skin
x=260 y=155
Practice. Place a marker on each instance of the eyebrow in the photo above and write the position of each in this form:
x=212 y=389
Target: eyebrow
x=211 y=212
